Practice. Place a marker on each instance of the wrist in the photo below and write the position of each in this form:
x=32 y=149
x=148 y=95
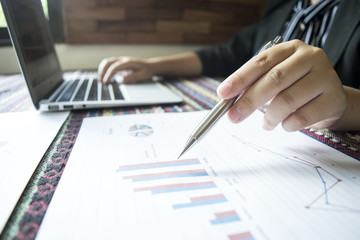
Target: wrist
x=350 y=119
x=157 y=66
x=183 y=64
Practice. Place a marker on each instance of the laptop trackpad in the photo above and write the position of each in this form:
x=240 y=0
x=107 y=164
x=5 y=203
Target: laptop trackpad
x=148 y=92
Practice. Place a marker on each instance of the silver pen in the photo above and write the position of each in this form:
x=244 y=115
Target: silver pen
x=220 y=109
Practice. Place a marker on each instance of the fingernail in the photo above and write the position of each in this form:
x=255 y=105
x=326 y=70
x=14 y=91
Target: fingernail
x=224 y=89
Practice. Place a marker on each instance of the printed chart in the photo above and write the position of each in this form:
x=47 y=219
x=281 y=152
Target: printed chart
x=140 y=130
x=188 y=188
x=239 y=183
x=326 y=179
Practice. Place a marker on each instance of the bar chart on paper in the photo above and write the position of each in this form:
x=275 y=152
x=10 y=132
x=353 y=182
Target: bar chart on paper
x=182 y=193
x=252 y=187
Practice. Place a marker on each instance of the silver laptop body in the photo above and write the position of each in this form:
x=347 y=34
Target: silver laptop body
x=34 y=46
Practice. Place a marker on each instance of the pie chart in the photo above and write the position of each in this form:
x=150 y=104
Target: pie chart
x=140 y=130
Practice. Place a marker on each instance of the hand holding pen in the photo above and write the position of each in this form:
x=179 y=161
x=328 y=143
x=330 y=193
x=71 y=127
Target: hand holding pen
x=300 y=81
x=220 y=108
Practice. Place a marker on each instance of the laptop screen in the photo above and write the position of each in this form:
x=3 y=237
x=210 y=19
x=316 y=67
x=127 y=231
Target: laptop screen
x=34 y=46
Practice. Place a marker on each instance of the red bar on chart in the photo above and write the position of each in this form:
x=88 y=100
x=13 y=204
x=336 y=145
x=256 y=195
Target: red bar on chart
x=162 y=175
x=241 y=236
x=174 y=163
x=176 y=187
x=205 y=198
x=225 y=214
x=202 y=201
x=225 y=217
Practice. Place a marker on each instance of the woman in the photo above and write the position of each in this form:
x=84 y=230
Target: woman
x=308 y=85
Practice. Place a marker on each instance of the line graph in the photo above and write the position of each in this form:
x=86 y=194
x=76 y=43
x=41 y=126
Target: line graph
x=320 y=172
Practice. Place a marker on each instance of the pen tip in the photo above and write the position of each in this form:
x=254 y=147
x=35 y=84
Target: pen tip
x=187 y=146
x=181 y=154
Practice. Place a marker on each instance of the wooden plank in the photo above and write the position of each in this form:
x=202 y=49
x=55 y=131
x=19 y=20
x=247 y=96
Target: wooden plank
x=125 y=3
x=71 y=4
x=127 y=26
x=211 y=16
x=158 y=21
x=96 y=14
x=183 y=26
x=81 y=26
x=153 y=13
x=124 y=38
x=96 y=38
x=181 y=3
x=154 y=38
x=251 y=2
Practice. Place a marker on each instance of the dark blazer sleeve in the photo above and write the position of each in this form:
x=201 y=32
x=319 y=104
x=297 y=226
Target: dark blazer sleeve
x=343 y=43
x=224 y=59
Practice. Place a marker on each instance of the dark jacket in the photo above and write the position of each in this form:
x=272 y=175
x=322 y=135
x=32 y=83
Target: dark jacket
x=342 y=45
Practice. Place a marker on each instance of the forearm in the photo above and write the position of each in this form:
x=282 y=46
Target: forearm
x=185 y=64
x=351 y=118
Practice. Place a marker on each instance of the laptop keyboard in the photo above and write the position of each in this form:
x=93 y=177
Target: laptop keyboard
x=80 y=95
x=87 y=88
x=69 y=91
x=93 y=91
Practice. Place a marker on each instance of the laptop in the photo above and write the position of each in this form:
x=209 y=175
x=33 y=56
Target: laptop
x=49 y=89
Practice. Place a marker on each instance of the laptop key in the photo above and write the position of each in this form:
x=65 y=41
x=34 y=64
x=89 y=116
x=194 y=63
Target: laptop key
x=56 y=96
x=117 y=93
x=80 y=95
x=105 y=94
x=93 y=91
x=69 y=92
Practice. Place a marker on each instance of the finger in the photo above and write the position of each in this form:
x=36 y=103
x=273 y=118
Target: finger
x=309 y=115
x=323 y=110
x=280 y=77
x=320 y=83
x=116 y=67
x=103 y=67
x=288 y=101
x=133 y=77
x=252 y=70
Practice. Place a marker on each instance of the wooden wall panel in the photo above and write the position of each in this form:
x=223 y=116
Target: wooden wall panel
x=157 y=21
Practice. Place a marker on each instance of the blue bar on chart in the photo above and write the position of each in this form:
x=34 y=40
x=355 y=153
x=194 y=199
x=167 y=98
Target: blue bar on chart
x=177 y=187
x=201 y=201
x=164 y=175
x=142 y=166
x=225 y=217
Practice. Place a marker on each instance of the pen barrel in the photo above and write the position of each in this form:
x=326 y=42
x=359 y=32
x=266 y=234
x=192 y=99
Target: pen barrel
x=220 y=108
x=212 y=117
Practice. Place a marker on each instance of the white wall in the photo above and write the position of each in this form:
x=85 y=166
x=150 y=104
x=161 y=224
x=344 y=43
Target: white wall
x=89 y=56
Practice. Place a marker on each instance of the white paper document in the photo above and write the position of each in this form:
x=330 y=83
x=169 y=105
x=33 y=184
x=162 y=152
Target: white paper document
x=123 y=181
x=24 y=139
